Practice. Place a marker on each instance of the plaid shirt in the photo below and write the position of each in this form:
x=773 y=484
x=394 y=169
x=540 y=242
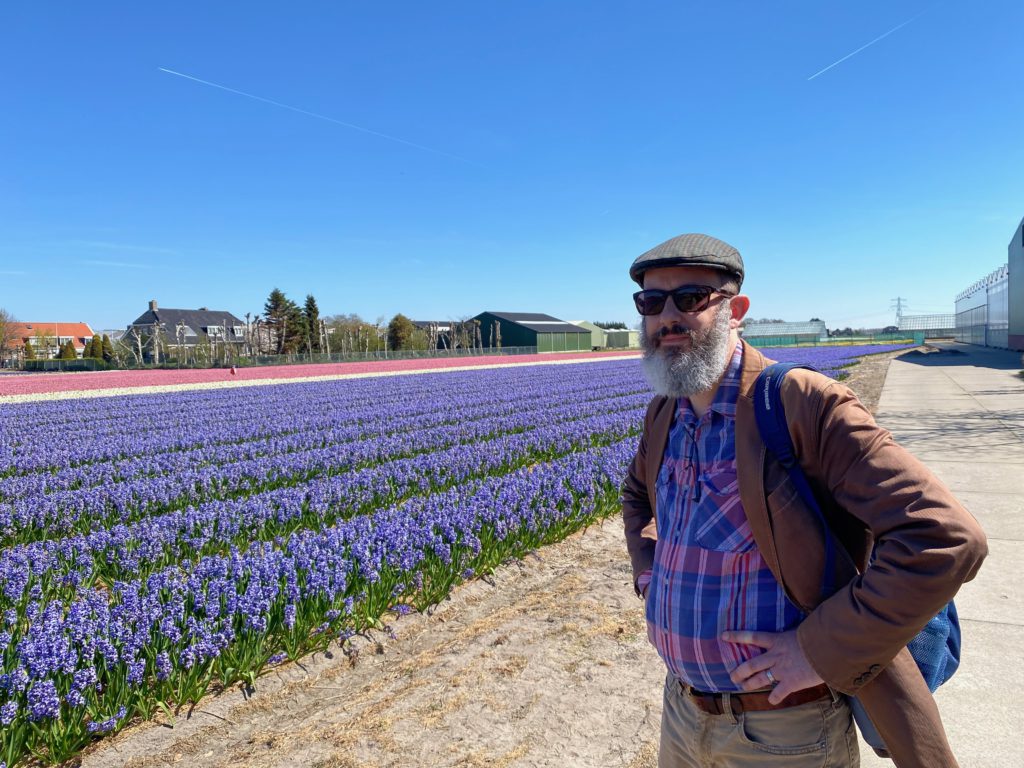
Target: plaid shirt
x=708 y=574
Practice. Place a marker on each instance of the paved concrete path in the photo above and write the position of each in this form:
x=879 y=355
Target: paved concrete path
x=961 y=411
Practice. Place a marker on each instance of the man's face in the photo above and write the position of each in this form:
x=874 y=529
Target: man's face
x=686 y=353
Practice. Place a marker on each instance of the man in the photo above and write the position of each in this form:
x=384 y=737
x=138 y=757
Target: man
x=731 y=562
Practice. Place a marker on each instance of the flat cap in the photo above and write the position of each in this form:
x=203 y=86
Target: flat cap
x=689 y=251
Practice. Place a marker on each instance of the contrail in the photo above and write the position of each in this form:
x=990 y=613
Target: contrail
x=318 y=116
x=868 y=45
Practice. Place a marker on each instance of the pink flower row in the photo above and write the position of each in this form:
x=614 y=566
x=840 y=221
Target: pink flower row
x=42 y=383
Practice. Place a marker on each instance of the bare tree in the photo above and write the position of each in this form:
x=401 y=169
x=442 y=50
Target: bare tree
x=8 y=333
x=132 y=342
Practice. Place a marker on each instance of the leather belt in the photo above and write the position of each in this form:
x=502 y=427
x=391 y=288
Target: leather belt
x=757 y=701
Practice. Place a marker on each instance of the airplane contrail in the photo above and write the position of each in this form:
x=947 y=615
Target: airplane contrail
x=306 y=112
x=897 y=28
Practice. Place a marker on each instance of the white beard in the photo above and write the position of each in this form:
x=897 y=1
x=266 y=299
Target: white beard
x=686 y=372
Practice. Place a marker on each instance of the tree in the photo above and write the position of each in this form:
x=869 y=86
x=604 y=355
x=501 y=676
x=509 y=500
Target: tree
x=285 y=322
x=97 y=346
x=68 y=352
x=8 y=333
x=400 y=332
x=311 y=319
x=87 y=352
x=46 y=345
x=106 y=348
x=611 y=325
x=30 y=351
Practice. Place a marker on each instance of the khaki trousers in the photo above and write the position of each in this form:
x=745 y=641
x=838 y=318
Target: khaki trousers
x=820 y=734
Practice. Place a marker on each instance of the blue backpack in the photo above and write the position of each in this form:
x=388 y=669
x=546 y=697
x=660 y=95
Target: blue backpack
x=936 y=649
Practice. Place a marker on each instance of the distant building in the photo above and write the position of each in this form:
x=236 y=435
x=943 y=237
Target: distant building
x=784 y=334
x=188 y=327
x=991 y=311
x=1015 y=289
x=622 y=338
x=983 y=311
x=929 y=326
x=532 y=329
x=440 y=331
x=598 y=339
x=47 y=338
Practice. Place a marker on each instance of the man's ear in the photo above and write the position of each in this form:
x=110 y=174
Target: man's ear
x=739 y=305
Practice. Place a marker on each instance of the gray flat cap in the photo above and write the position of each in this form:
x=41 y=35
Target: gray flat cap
x=689 y=251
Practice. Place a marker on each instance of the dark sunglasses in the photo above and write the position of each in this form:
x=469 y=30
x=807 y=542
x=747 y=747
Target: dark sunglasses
x=687 y=298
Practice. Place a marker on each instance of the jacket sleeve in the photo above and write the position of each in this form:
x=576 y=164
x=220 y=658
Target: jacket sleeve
x=926 y=543
x=637 y=509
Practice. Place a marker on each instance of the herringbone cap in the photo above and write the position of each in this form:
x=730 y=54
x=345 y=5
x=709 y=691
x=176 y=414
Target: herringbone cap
x=691 y=250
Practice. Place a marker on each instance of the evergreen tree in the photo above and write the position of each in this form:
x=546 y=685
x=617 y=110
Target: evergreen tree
x=67 y=352
x=30 y=351
x=107 y=348
x=311 y=317
x=285 y=321
x=97 y=346
x=87 y=352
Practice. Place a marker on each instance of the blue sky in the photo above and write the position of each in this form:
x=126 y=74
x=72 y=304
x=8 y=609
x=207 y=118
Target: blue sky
x=506 y=156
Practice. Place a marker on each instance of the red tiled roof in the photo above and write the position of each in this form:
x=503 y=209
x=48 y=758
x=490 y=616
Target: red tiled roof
x=79 y=332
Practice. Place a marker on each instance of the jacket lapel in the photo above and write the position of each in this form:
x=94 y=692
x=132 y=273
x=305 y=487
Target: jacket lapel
x=657 y=440
x=750 y=462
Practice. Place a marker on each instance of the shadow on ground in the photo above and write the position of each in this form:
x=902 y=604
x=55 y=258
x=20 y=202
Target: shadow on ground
x=951 y=353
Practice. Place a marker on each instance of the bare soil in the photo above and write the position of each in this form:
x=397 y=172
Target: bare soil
x=544 y=664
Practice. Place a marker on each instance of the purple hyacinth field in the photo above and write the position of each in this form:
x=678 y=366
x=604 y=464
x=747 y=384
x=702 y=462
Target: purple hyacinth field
x=157 y=548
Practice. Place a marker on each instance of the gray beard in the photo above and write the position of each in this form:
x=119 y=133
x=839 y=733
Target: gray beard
x=687 y=372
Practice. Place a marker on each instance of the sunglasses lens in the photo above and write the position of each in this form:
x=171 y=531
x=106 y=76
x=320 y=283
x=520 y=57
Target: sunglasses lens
x=650 y=302
x=690 y=301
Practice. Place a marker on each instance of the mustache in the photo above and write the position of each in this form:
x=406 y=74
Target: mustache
x=675 y=329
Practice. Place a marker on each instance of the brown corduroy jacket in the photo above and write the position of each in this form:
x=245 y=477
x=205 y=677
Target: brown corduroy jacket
x=873 y=492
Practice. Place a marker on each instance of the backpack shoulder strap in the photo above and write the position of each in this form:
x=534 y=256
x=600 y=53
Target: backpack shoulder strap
x=774 y=430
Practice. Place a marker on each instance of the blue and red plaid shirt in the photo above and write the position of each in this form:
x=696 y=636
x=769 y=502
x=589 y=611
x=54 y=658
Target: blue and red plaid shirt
x=708 y=574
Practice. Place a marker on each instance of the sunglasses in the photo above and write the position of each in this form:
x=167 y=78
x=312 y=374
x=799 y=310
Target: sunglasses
x=687 y=298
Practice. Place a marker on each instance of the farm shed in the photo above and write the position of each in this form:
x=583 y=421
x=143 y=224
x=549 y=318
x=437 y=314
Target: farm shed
x=623 y=339
x=532 y=329
x=785 y=334
x=598 y=338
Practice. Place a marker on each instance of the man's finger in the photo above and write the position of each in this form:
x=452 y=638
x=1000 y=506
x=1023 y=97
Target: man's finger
x=760 y=639
x=750 y=668
x=779 y=692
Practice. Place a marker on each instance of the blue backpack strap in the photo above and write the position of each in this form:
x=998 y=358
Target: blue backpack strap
x=774 y=429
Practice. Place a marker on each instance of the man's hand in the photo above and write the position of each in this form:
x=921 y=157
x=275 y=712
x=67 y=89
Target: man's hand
x=790 y=670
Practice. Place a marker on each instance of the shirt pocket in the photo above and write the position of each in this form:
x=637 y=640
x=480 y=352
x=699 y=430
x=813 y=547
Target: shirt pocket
x=723 y=524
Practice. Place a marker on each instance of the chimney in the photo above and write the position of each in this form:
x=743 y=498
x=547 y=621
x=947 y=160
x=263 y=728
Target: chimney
x=152 y=305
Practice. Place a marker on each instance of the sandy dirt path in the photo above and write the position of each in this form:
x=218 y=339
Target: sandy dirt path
x=545 y=664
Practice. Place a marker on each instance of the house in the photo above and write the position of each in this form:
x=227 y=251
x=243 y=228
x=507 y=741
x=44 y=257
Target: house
x=47 y=338
x=531 y=329
x=188 y=327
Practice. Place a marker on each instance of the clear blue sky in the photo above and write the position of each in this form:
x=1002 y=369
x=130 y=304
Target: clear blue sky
x=515 y=155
